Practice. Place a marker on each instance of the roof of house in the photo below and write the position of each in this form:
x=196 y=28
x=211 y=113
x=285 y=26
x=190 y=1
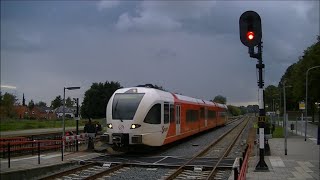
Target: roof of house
x=66 y=110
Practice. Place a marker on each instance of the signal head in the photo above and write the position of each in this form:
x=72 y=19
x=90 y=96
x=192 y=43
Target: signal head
x=250 y=28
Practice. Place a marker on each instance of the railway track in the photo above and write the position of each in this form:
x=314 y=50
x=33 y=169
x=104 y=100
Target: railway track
x=216 y=148
x=164 y=167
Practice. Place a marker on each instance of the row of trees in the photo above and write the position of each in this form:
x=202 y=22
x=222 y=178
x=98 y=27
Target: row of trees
x=7 y=102
x=58 y=101
x=295 y=78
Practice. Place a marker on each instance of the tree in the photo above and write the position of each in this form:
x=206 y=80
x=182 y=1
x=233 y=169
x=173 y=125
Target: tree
x=23 y=100
x=41 y=104
x=295 y=76
x=272 y=95
x=69 y=102
x=7 y=105
x=57 y=102
x=31 y=104
x=235 y=111
x=220 y=99
x=96 y=99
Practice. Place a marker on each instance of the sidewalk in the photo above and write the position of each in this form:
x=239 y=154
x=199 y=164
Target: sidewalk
x=27 y=167
x=28 y=132
x=301 y=161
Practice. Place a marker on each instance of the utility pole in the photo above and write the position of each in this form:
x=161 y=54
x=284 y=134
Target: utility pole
x=77 y=122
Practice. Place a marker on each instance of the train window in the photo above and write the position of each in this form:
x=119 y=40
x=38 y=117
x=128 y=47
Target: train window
x=166 y=113
x=171 y=113
x=202 y=113
x=124 y=106
x=222 y=114
x=211 y=115
x=154 y=115
x=191 y=115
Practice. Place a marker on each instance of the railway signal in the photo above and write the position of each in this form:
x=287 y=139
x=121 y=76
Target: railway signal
x=250 y=36
x=250 y=28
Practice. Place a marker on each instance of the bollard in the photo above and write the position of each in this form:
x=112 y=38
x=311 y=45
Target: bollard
x=61 y=151
x=235 y=173
x=241 y=162
x=32 y=144
x=8 y=154
x=38 y=152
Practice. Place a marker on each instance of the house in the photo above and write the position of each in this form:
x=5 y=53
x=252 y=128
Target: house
x=46 y=113
x=69 y=112
x=23 y=112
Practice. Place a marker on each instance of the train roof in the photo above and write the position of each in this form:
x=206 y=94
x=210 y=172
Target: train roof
x=178 y=96
x=199 y=101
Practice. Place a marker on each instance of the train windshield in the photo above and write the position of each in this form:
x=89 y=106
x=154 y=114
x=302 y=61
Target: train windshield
x=124 y=106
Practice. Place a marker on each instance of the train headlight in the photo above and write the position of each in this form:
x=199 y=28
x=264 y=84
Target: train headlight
x=109 y=126
x=134 y=126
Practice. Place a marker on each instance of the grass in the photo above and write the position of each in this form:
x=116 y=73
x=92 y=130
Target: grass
x=23 y=124
x=278 y=132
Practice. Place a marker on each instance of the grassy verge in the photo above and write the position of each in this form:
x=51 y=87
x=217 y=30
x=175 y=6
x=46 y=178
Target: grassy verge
x=278 y=132
x=23 y=124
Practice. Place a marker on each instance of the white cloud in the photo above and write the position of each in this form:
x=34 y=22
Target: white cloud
x=164 y=15
x=107 y=4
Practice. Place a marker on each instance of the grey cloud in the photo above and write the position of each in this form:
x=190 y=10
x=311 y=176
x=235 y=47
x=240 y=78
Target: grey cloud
x=200 y=56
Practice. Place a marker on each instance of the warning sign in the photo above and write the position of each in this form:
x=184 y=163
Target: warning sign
x=302 y=106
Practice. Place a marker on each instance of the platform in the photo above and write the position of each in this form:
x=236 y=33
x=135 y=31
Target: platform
x=301 y=161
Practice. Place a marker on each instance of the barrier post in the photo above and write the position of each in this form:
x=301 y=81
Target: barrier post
x=235 y=173
x=38 y=152
x=32 y=144
x=62 y=149
x=8 y=154
x=241 y=162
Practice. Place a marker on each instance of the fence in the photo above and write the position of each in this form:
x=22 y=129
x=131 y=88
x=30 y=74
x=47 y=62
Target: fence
x=243 y=165
x=23 y=146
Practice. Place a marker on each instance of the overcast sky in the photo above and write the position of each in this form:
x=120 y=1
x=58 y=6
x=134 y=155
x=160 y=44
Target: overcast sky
x=188 y=47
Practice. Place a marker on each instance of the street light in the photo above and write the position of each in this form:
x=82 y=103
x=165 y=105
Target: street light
x=305 y=133
x=285 y=116
x=63 y=110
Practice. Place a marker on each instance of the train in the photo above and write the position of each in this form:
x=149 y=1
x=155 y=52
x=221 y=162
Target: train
x=152 y=117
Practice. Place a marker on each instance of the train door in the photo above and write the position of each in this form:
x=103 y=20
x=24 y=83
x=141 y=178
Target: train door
x=206 y=117
x=178 y=119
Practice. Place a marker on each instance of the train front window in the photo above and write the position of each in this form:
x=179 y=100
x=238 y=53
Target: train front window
x=124 y=106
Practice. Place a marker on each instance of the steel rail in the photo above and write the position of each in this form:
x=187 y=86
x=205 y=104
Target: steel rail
x=181 y=168
x=70 y=171
x=105 y=172
x=227 y=151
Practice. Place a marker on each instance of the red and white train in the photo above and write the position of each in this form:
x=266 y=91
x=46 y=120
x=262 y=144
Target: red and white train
x=152 y=117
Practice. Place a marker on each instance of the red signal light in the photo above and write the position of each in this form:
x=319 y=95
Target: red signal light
x=250 y=35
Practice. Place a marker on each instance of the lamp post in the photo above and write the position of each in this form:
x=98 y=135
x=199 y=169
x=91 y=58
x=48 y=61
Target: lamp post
x=285 y=116
x=63 y=116
x=77 y=121
x=318 y=139
x=305 y=133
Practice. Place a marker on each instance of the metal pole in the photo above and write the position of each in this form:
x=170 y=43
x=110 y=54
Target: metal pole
x=63 y=123
x=38 y=152
x=296 y=126
x=301 y=123
x=306 y=116
x=273 y=113
x=285 y=117
x=262 y=113
x=9 y=165
x=77 y=146
x=285 y=138
x=305 y=128
x=318 y=140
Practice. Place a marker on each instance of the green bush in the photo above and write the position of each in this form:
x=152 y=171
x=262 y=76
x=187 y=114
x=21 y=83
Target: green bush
x=278 y=132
